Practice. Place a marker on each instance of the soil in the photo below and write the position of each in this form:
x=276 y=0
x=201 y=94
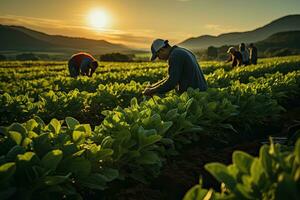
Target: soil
x=182 y=172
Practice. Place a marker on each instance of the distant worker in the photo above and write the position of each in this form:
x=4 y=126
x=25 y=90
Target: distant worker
x=235 y=56
x=245 y=54
x=183 y=72
x=253 y=54
x=82 y=64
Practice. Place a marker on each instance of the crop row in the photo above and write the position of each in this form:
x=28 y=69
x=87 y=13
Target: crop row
x=220 y=78
x=88 y=106
x=58 y=160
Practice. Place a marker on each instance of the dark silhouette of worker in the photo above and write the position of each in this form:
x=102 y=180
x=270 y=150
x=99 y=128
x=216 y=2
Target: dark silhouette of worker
x=82 y=64
x=253 y=54
x=245 y=54
x=235 y=56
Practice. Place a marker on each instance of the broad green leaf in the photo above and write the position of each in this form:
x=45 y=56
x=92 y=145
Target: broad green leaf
x=16 y=127
x=104 y=153
x=52 y=159
x=55 y=180
x=79 y=153
x=32 y=134
x=85 y=128
x=78 y=165
x=266 y=160
x=31 y=124
x=233 y=171
x=110 y=174
x=134 y=103
x=257 y=172
x=212 y=105
x=69 y=149
x=77 y=135
x=15 y=136
x=220 y=172
x=26 y=156
x=149 y=132
x=106 y=112
x=165 y=127
x=167 y=141
x=150 y=140
x=54 y=126
x=189 y=103
x=39 y=121
x=171 y=114
x=107 y=142
x=71 y=122
x=244 y=190
x=26 y=142
x=156 y=120
x=42 y=144
x=195 y=193
x=6 y=171
x=95 y=181
x=242 y=161
x=13 y=152
x=148 y=158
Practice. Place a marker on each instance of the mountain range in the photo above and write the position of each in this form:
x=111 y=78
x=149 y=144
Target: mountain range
x=18 y=38
x=22 y=39
x=287 y=23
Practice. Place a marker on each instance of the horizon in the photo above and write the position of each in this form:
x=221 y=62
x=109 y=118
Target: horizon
x=102 y=20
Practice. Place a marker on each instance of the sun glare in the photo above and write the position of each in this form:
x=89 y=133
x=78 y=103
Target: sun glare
x=98 y=19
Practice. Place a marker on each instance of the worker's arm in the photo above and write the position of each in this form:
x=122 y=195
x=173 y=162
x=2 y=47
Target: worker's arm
x=229 y=59
x=90 y=70
x=175 y=71
x=158 y=83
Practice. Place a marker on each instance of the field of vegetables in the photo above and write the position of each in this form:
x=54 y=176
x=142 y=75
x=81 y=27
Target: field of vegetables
x=100 y=138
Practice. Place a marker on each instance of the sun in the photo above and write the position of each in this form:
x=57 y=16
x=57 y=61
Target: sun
x=98 y=19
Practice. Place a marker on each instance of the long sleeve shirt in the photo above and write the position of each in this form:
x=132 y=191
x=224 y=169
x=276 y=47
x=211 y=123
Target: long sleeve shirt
x=184 y=71
x=82 y=62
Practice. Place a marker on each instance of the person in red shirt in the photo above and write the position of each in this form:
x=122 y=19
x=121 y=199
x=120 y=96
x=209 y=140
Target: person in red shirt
x=82 y=64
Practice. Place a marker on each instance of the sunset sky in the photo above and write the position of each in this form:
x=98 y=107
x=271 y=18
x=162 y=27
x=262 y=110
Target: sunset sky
x=137 y=22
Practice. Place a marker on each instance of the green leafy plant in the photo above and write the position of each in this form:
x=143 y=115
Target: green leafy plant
x=275 y=174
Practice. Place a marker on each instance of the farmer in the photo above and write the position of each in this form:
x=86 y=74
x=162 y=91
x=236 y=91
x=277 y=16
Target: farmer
x=245 y=54
x=253 y=54
x=82 y=64
x=235 y=56
x=183 y=72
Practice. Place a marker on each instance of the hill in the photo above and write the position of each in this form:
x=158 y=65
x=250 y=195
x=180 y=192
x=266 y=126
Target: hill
x=289 y=39
x=287 y=23
x=17 y=38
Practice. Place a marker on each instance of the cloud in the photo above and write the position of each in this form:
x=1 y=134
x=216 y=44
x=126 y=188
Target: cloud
x=132 y=38
x=135 y=38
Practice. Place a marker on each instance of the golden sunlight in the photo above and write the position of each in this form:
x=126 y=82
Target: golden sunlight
x=98 y=19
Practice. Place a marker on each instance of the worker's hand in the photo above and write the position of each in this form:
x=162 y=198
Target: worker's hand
x=148 y=92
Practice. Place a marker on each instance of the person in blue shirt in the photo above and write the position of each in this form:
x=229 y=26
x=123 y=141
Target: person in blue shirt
x=184 y=70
